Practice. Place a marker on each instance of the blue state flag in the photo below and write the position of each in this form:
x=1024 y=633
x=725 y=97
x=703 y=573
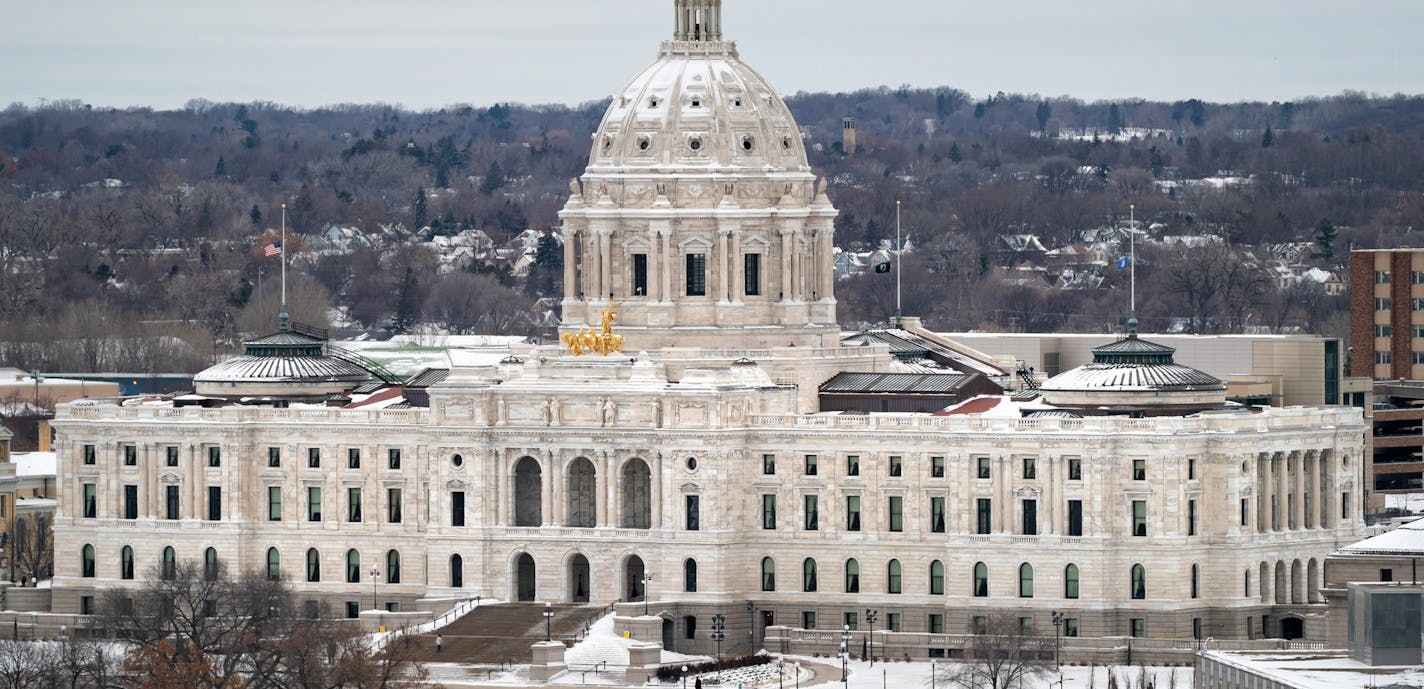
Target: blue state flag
x=1123 y=262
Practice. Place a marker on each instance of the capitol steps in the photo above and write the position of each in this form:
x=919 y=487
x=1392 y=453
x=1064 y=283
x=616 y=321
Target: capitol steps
x=495 y=634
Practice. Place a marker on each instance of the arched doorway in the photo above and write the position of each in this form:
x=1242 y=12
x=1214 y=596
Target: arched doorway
x=1312 y=581
x=1281 y=592
x=1292 y=628
x=633 y=571
x=1297 y=583
x=578 y=579
x=637 y=489
x=669 y=633
x=526 y=587
x=583 y=494
x=528 y=493
x=457 y=571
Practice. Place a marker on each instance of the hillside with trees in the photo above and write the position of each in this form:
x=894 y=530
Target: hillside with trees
x=133 y=239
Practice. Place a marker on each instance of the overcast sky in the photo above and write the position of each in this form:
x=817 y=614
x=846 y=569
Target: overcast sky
x=429 y=53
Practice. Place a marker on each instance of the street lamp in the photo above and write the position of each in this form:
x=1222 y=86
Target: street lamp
x=548 y=621
x=870 y=617
x=797 y=669
x=781 y=673
x=751 y=622
x=647 y=578
x=719 y=632
x=845 y=656
x=1057 y=623
x=684 y=677
x=375 y=576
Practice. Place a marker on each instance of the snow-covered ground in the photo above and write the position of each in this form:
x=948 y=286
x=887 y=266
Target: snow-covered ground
x=603 y=646
x=916 y=675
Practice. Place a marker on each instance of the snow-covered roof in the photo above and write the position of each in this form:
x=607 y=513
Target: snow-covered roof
x=1406 y=540
x=34 y=463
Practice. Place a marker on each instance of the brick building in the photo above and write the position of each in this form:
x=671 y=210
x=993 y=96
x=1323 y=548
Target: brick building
x=1387 y=314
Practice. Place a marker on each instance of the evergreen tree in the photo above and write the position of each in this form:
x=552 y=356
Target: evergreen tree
x=494 y=178
x=442 y=174
x=221 y=169
x=1268 y=139
x=954 y=153
x=407 y=303
x=873 y=234
x=1044 y=112
x=256 y=216
x=421 y=209
x=1325 y=234
x=1114 y=119
x=545 y=275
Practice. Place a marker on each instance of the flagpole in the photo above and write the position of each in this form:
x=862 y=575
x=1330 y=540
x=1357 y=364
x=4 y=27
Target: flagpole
x=899 y=264
x=1132 y=247
x=283 y=315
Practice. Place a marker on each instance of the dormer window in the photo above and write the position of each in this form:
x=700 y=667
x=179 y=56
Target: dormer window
x=696 y=143
x=645 y=142
x=737 y=103
x=748 y=144
x=696 y=102
x=653 y=102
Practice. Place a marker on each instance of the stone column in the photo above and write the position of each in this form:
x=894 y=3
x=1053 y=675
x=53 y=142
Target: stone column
x=1312 y=489
x=666 y=269
x=739 y=273
x=546 y=511
x=657 y=493
x=609 y=494
x=558 y=487
x=824 y=259
x=605 y=240
x=785 y=265
x=150 y=482
x=570 y=264
x=494 y=512
x=724 y=269
x=1298 y=488
x=1280 y=461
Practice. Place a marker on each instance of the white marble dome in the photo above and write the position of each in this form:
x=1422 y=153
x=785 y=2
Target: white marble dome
x=698 y=107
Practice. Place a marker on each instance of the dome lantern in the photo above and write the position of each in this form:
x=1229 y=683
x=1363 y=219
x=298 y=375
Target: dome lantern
x=698 y=21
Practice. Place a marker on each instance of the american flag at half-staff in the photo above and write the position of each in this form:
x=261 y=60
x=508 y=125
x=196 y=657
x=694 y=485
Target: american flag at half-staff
x=274 y=249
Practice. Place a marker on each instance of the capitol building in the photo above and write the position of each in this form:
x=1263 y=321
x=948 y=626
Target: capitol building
x=700 y=468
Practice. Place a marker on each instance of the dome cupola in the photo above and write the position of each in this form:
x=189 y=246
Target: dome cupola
x=1134 y=376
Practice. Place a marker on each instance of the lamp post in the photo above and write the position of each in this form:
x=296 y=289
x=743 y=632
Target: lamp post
x=1057 y=624
x=870 y=617
x=797 y=669
x=375 y=576
x=751 y=622
x=548 y=621
x=781 y=673
x=647 y=578
x=845 y=656
x=719 y=632
x=684 y=677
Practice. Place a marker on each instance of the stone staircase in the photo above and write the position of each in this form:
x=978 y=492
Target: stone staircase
x=494 y=634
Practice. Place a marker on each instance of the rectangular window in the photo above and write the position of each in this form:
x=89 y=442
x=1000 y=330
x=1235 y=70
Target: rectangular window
x=457 y=508
x=393 y=459
x=1139 y=628
x=1026 y=626
x=1416 y=304
x=1382 y=330
x=1245 y=511
x=353 y=505
x=752 y=274
x=89 y=454
x=936 y=467
x=214 y=503
x=693 y=516
x=1070 y=626
x=1381 y=277
x=274 y=457
x=393 y=505
x=274 y=503
x=1191 y=468
x=91 y=501
x=1197 y=628
x=1416 y=277
x=892 y=621
x=353 y=609
x=1385 y=357
x=313 y=458
x=808 y=619
x=1030 y=468
x=1075 y=469
x=214 y=456
x=853 y=465
x=313 y=504
x=768 y=512
x=810 y=465
x=1139 y=470
x=1075 y=517
x=851 y=620
x=897 y=466
x=1344 y=505
x=897 y=513
x=936 y=623
x=1191 y=517
x=1386 y=575
x=130 y=502
x=768 y=465
x=811 y=513
x=170 y=502
x=130 y=456
x=979 y=624
x=353 y=458
x=984 y=471
x=936 y=515
x=1139 y=518
x=984 y=514
x=1417 y=358
x=852 y=513
x=1383 y=304
x=697 y=275
x=172 y=456
x=640 y=275
x=1030 y=517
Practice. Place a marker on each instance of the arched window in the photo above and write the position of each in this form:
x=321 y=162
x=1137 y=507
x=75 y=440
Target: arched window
x=313 y=565
x=1196 y=574
x=528 y=493
x=392 y=567
x=852 y=576
x=981 y=580
x=86 y=562
x=768 y=574
x=689 y=576
x=210 y=564
x=1070 y=582
x=274 y=564
x=170 y=563
x=1025 y=580
x=808 y=575
x=1139 y=583
x=637 y=512
x=353 y=566
x=892 y=577
x=457 y=571
x=936 y=578
x=582 y=495
x=126 y=563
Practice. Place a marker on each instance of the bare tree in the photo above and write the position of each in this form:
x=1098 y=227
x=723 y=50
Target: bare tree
x=1003 y=655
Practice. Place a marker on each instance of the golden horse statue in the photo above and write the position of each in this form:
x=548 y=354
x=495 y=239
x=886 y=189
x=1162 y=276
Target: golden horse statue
x=604 y=342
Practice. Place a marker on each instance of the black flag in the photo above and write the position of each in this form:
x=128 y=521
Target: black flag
x=882 y=267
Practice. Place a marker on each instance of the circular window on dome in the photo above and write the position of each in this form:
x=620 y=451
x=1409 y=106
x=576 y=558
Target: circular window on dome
x=607 y=142
x=653 y=102
x=748 y=143
x=645 y=142
x=696 y=143
x=458 y=460
x=692 y=464
x=786 y=143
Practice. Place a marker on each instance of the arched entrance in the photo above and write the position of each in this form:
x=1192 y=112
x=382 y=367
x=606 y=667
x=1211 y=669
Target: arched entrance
x=633 y=579
x=637 y=489
x=457 y=571
x=1292 y=628
x=583 y=494
x=578 y=579
x=669 y=633
x=526 y=587
x=528 y=493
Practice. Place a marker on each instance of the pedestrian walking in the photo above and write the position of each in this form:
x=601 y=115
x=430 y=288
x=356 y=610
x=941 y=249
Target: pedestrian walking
x=439 y=643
